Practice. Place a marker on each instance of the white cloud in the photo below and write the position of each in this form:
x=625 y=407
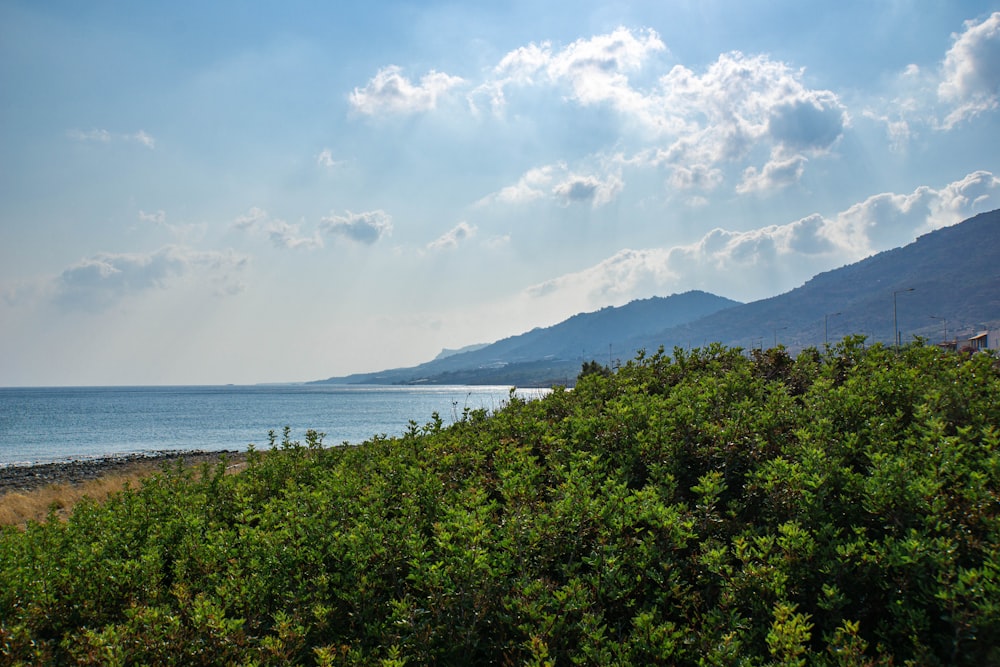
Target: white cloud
x=811 y=122
x=325 y=158
x=286 y=235
x=251 y=219
x=776 y=174
x=757 y=263
x=186 y=234
x=738 y=108
x=391 y=92
x=898 y=129
x=531 y=186
x=888 y=220
x=365 y=228
x=965 y=83
x=450 y=239
x=282 y=234
x=558 y=183
x=102 y=279
x=975 y=193
x=157 y=217
x=741 y=103
x=737 y=101
x=699 y=177
x=143 y=138
x=971 y=70
x=588 y=190
x=612 y=281
x=104 y=136
x=595 y=70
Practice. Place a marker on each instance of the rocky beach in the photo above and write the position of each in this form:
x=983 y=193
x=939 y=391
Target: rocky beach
x=30 y=477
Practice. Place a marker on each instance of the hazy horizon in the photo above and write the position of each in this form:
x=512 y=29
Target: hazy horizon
x=228 y=193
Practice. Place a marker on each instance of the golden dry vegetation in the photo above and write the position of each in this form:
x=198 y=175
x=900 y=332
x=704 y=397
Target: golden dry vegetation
x=19 y=507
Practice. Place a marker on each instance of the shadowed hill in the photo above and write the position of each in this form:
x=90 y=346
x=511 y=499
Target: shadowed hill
x=549 y=355
x=947 y=282
x=954 y=273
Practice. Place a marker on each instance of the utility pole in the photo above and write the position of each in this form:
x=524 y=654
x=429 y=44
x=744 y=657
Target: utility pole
x=945 y=320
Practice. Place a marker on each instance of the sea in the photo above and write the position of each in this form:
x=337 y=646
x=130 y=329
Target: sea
x=55 y=424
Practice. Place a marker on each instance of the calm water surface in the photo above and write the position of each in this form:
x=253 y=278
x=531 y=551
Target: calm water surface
x=62 y=423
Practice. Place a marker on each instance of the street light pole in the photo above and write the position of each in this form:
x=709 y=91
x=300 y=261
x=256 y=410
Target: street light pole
x=895 y=325
x=826 y=327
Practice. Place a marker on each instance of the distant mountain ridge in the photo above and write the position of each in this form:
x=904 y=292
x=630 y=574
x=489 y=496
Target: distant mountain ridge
x=547 y=355
x=946 y=281
x=447 y=352
x=947 y=277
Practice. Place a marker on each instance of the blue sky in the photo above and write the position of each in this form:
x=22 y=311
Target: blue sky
x=237 y=192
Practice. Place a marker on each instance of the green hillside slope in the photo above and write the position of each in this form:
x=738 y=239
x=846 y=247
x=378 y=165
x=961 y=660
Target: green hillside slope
x=703 y=509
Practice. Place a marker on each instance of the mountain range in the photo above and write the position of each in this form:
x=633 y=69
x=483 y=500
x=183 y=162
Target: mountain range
x=944 y=285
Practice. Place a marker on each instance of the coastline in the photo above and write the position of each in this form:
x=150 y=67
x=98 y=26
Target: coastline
x=16 y=478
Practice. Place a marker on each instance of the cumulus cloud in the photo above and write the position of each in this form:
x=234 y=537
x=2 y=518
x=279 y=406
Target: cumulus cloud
x=971 y=70
x=776 y=174
x=532 y=185
x=282 y=234
x=741 y=103
x=890 y=219
x=809 y=123
x=595 y=70
x=739 y=106
x=757 y=263
x=738 y=102
x=453 y=237
x=102 y=279
x=365 y=228
x=719 y=114
x=591 y=190
x=964 y=84
x=389 y=91
x=556 y=182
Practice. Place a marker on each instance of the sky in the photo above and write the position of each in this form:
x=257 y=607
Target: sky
x=247 y=192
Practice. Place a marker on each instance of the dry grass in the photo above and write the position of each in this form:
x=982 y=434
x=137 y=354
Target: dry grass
x=17 y=508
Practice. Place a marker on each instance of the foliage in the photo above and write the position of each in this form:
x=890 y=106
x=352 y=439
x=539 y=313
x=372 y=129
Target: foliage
x=592 y=367
x=836 y=508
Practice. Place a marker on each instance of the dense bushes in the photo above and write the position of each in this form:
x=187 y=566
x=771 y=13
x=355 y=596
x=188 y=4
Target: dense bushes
x=837 y=508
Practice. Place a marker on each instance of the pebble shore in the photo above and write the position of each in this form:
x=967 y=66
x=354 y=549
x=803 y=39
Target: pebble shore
x=28 y=478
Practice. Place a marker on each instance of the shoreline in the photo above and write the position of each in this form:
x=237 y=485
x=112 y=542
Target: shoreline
x=23 y=478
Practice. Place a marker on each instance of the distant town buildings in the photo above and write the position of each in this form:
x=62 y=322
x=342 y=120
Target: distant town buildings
x=975 y=343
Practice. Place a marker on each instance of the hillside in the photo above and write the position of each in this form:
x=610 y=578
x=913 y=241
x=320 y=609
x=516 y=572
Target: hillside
x=553 y=355
x=954 y=274
x=706 y=508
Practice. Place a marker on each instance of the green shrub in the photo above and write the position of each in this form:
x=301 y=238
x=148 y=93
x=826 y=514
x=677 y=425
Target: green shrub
x=837 y=508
